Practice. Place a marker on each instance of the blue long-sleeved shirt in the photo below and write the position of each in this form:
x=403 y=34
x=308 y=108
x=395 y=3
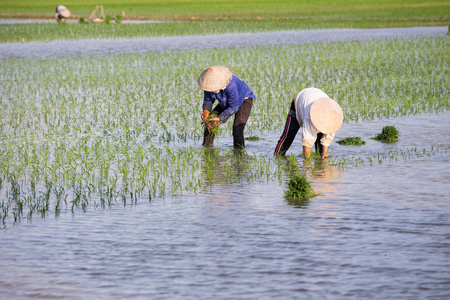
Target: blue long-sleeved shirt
x=230 y=98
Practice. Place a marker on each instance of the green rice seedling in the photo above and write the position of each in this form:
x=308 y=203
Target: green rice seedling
x=253 y=138
x=54 y=118
x=356 y=140
x=389 y=134
x=240 y=17
x=299 y=188
x=216 y=130
x=261 y=10
x=108 y=19
x=314 y=154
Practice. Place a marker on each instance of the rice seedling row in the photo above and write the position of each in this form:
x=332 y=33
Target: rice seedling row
x=185 y=170
x=75 y=31
x=83 y=132
x=224 y=10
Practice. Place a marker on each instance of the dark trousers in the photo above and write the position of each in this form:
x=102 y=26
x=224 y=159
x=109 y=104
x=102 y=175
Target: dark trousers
x=290 y=131
x=240 y=120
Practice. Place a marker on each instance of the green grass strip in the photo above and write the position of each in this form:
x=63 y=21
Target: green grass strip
x=240 y=9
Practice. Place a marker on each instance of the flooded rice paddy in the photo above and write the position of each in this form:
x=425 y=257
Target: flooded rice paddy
x=379 y=230
x=92 y=47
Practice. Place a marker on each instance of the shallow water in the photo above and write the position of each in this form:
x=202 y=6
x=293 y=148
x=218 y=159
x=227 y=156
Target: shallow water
x=375 y=232
x=12 y=21
x=93 y=47
x=379 y=231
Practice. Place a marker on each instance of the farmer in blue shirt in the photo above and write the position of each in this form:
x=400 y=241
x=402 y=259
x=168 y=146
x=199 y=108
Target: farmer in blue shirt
x=234 y=97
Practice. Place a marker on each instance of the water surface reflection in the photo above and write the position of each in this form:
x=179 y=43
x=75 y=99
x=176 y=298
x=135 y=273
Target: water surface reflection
x=118 y=46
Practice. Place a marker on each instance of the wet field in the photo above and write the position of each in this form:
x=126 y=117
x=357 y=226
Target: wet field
x=118 y=46
x=379 y=230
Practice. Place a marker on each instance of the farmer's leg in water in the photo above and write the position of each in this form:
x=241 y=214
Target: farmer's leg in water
x=240 y=120
x=290 y=131
x=208 y=137
x=323 y=150
x=317 y=144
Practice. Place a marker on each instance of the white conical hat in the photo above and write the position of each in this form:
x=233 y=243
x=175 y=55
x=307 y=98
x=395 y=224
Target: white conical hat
x=214 y=78
x=326 y=115
x=65 y=13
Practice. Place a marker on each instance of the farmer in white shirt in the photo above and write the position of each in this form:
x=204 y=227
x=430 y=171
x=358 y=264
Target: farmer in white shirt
x=62 y=13
x=320 y=118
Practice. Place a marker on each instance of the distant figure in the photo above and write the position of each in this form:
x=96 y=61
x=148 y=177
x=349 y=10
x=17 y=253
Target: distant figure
x=62 y=13
x=318 y=115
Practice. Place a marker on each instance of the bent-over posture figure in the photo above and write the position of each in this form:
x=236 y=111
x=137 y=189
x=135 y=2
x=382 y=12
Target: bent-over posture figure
x=319 y=116
x=234 y=97
x=62 y=13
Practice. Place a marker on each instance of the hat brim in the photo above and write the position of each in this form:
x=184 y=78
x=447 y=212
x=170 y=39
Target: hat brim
x=326 y=115
x=65 y=13
x=214 y=78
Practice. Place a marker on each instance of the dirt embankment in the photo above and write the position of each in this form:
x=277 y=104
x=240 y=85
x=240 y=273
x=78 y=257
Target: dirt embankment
x=227 y=18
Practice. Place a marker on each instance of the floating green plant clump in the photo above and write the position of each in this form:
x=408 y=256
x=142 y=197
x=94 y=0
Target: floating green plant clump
x=299 y=188
x=355 y=140
x=253 y=138
x=389 y=134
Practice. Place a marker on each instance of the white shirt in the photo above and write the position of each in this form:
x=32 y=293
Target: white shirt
x=303 y=103
x=60 y=8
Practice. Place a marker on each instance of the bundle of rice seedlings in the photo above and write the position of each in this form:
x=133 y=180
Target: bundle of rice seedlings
x=299 y=188
x=214 y=130
x=389 y=134
x=355 y=140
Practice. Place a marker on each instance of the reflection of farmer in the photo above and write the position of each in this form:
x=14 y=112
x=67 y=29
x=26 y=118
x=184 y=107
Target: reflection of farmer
x=234 y=97
x=318 y=115
x=62 y=13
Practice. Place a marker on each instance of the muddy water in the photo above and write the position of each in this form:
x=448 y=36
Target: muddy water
x=92 y=47
x=376 y=232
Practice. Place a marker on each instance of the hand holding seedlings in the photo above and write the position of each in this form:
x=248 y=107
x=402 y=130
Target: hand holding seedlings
x=205 y=115
x=211 y=124
x=211 y=121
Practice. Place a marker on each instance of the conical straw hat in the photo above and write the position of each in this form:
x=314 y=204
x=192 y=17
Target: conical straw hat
x=214 y=78
x=326 y=115
x=65 y=13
